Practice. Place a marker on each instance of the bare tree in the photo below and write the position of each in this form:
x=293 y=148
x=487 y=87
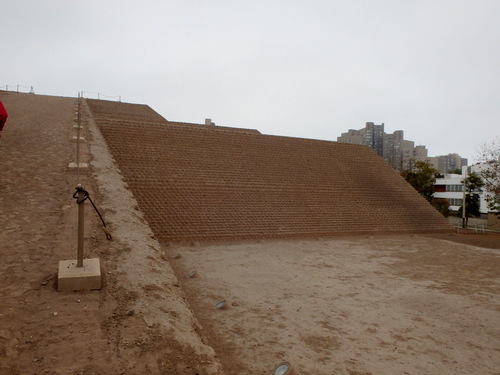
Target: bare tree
x=490 y=156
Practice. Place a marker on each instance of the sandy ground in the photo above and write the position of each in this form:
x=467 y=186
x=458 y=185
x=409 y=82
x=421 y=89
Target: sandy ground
x=380 y=305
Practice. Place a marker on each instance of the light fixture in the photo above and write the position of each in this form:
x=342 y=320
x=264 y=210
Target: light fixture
x=221 y=305
x=284 y=368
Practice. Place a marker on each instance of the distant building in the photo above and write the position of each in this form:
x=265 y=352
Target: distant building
x=448 y=163
x=372 y=135
x=397 y=151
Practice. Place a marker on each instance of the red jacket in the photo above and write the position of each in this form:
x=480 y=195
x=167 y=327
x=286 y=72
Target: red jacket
x=3 y=116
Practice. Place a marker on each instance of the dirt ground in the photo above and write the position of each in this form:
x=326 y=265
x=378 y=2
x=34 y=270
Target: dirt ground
x=371 y=305
x=365 y=305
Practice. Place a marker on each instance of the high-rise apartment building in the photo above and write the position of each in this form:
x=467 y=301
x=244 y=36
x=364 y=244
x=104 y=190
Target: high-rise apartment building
x=374 y=137
x=448 y=163
x=397 y=151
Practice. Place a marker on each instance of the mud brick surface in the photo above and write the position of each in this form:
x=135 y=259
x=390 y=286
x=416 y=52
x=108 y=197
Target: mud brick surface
x=205 y=182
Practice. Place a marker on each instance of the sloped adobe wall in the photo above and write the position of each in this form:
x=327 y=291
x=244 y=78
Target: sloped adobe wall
x=199 y=182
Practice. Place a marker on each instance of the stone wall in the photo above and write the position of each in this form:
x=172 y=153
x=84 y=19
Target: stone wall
x=202 y=182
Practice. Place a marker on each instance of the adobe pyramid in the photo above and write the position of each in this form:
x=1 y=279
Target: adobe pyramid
x=205 y=182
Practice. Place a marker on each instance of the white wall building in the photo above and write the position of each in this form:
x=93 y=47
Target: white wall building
x=450 y=187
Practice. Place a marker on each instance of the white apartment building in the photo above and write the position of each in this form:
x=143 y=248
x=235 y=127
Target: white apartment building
x=450 y=187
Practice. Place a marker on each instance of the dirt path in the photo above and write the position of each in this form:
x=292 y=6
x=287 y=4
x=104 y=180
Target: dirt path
x=138 y=323
x=39 y=330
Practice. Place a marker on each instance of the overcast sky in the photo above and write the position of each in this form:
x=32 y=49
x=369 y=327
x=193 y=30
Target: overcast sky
x=309 y=68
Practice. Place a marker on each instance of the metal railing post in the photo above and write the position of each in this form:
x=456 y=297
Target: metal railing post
x=81 y=194
x=81 y=226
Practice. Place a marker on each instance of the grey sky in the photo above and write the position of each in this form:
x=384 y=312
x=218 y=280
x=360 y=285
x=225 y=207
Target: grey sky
x=308 y=68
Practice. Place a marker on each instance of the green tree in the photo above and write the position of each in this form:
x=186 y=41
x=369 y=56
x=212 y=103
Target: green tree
x=422 y=176
x=490 y=155
x=473 y=186
x=442 y=205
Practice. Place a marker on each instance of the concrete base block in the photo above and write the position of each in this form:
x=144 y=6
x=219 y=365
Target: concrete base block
x=71 y=278
x=74 y=165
